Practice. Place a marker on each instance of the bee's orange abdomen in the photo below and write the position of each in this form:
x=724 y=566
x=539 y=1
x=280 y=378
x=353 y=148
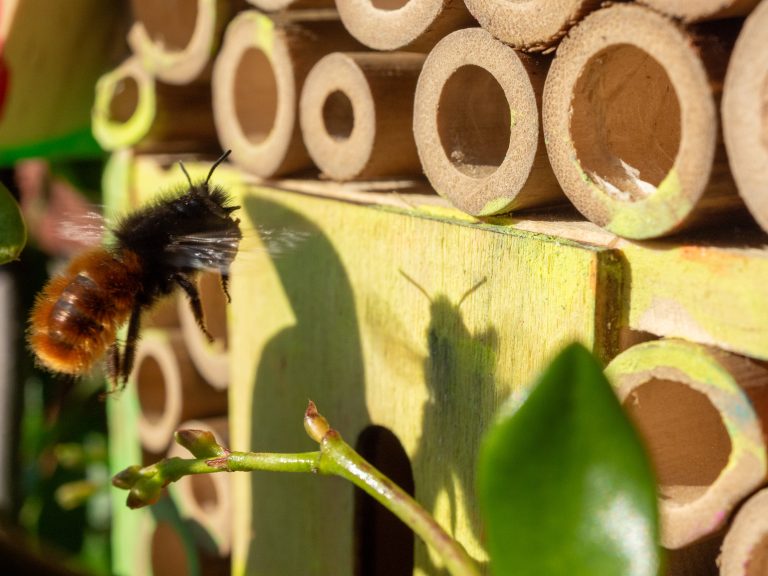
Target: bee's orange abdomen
x=78 y=313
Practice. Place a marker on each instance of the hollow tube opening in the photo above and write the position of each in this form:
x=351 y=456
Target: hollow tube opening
x=167 y=551
x=255 y=94
x=214 y=306
x=388 y=4
x=474 y=121
x=338 y=115
x=384 y=546
x=625 y=122
x=204 y=492
x=169 y=23
x=124 y=100
x=685 y=436
x=150 y=387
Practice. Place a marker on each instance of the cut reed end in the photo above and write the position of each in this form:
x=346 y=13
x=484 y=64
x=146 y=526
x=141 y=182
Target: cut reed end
x=415 y=25
x=745 y=548
x=175 y=41
x=254 y=94
x=476 y=123
x=124 y=107
x=357 y=112
x=745 y=114
x=698 y=410
x=169 y=389
x=257 y=78
x=693 y=10
x=210 y=358
x=535 y=25
x=630 y=122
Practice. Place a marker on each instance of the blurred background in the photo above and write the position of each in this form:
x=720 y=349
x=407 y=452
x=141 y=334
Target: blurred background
x=54 y=505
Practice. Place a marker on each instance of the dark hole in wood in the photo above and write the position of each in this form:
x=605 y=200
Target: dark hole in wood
x=383 y=544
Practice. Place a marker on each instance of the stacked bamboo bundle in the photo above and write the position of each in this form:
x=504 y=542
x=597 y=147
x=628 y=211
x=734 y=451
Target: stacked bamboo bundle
x=174 y=362
x=622 y=122
x=159 y=98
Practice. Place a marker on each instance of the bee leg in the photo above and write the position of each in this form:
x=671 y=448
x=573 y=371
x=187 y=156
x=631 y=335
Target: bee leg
x=225 y=286
x=194 y=301
x=113 y=366
x=129 y=351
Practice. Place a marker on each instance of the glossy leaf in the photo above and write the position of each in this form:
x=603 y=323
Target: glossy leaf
x=13 y=233
x=565 y=486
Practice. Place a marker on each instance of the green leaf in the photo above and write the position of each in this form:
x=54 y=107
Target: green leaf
x=13 y=233
x=564 y=483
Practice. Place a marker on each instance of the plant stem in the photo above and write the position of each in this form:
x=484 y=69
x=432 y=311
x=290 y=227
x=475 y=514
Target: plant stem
x=335 y=457
x=340 y=459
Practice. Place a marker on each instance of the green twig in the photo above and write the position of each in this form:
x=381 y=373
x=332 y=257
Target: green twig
x=335 y=457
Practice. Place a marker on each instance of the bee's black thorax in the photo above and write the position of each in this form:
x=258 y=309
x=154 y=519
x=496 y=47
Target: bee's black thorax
x=160 y=234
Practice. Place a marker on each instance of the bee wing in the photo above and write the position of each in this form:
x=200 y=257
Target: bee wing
x=86 y=228
x=215 y=251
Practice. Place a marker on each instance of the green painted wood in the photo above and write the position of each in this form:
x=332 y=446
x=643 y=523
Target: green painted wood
x=385 y=318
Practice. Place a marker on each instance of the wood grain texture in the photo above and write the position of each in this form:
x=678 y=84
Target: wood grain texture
x=337 y=320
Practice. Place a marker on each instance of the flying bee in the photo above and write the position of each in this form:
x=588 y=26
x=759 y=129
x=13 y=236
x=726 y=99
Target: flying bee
x=75 y=319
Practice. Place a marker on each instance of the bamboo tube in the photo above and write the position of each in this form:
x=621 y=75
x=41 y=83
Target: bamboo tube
x=745 y=548
x=131 y=109
x=175 y=40
x=168 y=552
x=277 y=5
x=356 y=112
x=702 y=413
x=631 y=125
x=171 y=552
x=477 y=125
x=206 y=498
x=745 y=113
x=169 y=389
x=535 y=25
x=257 y=79
x=693 y=10
x=163 y=315
x=210 y=358
x=414 y=25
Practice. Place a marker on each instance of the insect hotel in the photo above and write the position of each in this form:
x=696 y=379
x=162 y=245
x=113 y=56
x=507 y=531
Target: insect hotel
x=436 y=197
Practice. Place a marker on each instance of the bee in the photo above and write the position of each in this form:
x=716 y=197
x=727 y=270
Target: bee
x=155 y=250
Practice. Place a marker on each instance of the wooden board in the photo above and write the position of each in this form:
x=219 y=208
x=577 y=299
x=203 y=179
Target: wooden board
x=335 y=319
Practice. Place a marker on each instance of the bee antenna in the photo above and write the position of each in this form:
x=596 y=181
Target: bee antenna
x=216 y=164
x=471 y=291
x=183 y=169
x=418 y=286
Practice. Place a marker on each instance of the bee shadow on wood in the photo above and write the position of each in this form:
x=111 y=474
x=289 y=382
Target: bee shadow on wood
x=302 y=524
x=459 y=372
